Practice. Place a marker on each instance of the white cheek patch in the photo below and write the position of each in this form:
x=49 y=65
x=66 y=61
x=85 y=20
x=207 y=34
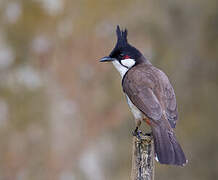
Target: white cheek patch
x=120 y=68
x=128 y=62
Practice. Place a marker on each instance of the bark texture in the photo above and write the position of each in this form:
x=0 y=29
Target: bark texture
x=143 y=158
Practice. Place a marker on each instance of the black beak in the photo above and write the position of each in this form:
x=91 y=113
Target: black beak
x=107 y=59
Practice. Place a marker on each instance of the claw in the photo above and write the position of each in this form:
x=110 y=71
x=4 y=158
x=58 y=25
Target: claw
x=147 y=134
x=134 y=133
x=137 y=133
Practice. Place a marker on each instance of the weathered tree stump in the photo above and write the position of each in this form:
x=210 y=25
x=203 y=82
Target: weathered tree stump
x=143 y=158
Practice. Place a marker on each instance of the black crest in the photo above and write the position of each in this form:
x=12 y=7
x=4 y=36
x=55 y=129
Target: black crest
x=123 y=47
x=121 y=38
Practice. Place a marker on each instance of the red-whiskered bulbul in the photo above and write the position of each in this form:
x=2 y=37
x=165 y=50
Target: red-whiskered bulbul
x=150 y=97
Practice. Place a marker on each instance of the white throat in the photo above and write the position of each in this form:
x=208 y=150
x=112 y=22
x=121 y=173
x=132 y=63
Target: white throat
x=122 y=69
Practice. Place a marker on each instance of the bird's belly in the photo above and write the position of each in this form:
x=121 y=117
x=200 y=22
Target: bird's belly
x=138 y=115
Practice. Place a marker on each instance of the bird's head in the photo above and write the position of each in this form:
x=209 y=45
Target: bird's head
x=123 y=53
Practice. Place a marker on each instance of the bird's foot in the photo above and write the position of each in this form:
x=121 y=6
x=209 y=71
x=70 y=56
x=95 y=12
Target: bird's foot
x=134 y=133
x=148 y=134
x=137 y=133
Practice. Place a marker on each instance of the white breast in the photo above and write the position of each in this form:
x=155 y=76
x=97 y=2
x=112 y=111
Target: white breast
x=135 y=111
x=123 y=70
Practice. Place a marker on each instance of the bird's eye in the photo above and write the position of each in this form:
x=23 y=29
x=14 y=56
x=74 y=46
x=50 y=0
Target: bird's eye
x=121 y=55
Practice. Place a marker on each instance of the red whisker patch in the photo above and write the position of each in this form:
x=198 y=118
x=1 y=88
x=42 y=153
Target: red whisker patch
x=126 y=57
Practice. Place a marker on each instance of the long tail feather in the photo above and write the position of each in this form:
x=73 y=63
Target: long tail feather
x=167 y=149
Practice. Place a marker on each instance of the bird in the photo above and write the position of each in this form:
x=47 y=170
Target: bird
x=150 y=97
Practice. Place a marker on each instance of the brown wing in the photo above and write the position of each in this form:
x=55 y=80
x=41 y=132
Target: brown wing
x=170 y=104
x=166 y=95
x=137 y=84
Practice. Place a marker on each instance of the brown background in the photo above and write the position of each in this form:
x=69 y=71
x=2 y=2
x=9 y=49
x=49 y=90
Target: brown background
x=63 y=115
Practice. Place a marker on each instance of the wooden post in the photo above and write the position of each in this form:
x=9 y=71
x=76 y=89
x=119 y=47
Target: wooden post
x=143 y=158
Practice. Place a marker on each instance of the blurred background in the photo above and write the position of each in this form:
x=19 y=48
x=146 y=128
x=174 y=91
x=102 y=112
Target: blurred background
x=62 y=113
